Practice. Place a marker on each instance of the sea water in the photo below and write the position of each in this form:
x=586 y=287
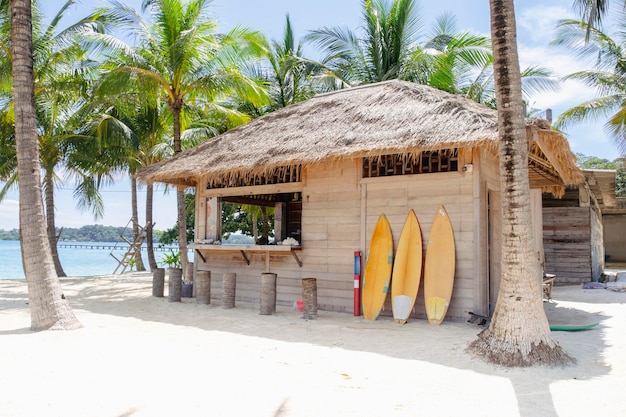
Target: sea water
x=76 y=262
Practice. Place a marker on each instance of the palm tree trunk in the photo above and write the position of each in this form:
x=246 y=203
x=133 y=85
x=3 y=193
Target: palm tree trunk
x=255 y=226
x=180 y=192
x=265 y=224
x=48 y=307
x=182 y=228
x=149 y=235
x=135 y=219
x=50 y=223
x=519 y=334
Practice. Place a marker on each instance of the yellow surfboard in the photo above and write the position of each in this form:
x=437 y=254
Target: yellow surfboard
x=439 y=267
x=407 y=269
x=377 y=270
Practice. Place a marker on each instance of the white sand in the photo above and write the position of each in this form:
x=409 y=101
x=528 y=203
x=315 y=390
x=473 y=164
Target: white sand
x=143 y=356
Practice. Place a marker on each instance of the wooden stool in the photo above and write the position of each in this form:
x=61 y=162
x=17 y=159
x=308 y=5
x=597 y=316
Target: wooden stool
x=548 y=283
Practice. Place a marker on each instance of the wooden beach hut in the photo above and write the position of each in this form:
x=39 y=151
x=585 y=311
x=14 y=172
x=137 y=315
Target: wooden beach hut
x=574 y=231
x=331 y=165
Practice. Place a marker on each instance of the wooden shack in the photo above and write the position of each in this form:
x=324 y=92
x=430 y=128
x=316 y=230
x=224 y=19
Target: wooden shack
x=331 y=165
x=573 y=232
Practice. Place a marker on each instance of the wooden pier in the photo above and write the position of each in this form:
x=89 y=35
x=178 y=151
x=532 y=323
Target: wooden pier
x=110 y=246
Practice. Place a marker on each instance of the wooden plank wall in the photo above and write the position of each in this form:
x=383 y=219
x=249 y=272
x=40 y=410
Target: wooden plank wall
x=330 y=235
x=395 y=196
x=567 y=243
x=339 y=211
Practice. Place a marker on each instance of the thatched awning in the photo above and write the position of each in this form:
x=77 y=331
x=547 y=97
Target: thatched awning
x=393 y=117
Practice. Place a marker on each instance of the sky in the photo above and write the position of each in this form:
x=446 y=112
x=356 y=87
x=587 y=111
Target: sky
x=535 y=19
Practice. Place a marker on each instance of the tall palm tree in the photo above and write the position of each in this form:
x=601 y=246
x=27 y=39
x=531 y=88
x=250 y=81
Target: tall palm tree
x=180 y=56
x=390 y=47
x=608 y=76
x=592 y=13
x=62 y=71
x=448 y=59
x=49 y=308
x=389 y=32
x=290 y=74
x=519 y=334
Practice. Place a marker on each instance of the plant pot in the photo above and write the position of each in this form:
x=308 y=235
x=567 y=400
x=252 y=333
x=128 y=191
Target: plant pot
x=187 y=290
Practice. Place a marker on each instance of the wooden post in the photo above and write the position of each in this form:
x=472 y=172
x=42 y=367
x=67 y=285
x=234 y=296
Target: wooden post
x=309 y=298
x=203 y=287
x=213 y=229
x=158 y=282
x=229 y=283
x=268 y=293
x=280 y=221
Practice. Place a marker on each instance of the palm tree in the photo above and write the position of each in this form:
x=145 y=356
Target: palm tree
x=519 y=334
x=389 y=33
x=49 y=308
x=592 y=13
x=608 y=76
x=63 y=70
x=290 y=75
x=448 y=59
x=180 y=56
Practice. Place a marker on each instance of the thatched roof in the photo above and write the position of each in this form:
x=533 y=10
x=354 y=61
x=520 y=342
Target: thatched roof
x=393 y=117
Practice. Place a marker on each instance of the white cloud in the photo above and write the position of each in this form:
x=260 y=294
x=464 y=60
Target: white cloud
x=538 y=23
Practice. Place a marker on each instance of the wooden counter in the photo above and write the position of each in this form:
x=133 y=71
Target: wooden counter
x=268 y=250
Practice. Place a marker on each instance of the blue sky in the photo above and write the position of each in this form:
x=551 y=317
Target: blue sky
x=535 y=18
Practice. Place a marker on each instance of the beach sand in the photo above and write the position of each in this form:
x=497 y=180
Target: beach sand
x=138 y=355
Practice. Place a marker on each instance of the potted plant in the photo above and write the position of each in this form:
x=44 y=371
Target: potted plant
x=172 y=260
x=175 y=272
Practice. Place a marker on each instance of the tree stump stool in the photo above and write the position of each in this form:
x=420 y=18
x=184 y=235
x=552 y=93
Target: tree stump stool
x=229 y=283
x=202 y=285
x=268 y=293
x=309 y=298
x=175 y=284
x=158 y=282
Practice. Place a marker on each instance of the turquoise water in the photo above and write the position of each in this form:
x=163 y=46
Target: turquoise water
x=76 y=261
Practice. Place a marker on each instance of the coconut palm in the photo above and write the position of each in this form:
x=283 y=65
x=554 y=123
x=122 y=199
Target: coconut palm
x=290 y=75
x=179 y=55
x=63 y=71
x=49 y=308
x=519 y=334
x=389 y=32
x=592 y=13
x=608 y=76
x=448 y=60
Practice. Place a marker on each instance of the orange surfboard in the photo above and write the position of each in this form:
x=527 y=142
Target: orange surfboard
x=439 y=268
x=377 y=270
x=407 y=269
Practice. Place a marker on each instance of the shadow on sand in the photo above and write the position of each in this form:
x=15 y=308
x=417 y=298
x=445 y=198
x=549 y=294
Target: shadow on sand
x=532 y=386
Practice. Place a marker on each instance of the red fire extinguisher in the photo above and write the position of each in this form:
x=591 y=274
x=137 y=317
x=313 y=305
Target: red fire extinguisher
x=357 y=283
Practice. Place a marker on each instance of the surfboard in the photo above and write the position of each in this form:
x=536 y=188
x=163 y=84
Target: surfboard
x=571 y=327
x=407 y=269
x=439 y=268
x=377 y=269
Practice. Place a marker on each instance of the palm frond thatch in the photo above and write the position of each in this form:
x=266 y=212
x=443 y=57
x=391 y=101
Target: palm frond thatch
x=391 y=117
